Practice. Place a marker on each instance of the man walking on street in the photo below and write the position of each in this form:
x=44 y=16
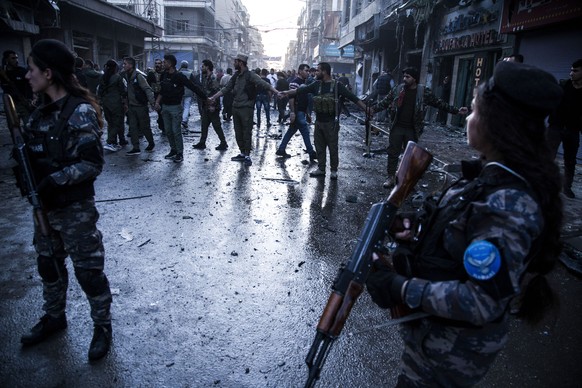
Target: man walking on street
x=566 y=125
x=326 y=92
x=298 y=116
x=243 y=84
x=188 y=94
x=170 y=101
x=139 y=94
x=210 y=112
x=408 y=100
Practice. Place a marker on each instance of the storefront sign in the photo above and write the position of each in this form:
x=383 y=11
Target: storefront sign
x=480 y=63
x=476 y=39
x=529 y=14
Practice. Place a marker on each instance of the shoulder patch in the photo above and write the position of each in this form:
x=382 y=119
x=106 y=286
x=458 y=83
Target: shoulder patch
x=482 y=260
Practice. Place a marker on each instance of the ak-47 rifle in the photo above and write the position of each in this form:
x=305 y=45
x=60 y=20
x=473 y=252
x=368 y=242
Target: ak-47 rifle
x=26 y=177
x=352 y=276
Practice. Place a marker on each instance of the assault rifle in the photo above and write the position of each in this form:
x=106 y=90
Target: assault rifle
x=25 y=176
x=352 y=276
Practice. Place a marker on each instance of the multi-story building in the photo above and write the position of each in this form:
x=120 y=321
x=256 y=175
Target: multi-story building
x=93 y=29
x=194 y=30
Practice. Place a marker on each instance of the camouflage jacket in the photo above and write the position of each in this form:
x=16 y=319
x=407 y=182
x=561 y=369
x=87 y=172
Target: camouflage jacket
x=424 y=97
x=73 y=158
x=497 y=208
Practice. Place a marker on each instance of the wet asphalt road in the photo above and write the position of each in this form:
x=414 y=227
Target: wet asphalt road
x=220 y=273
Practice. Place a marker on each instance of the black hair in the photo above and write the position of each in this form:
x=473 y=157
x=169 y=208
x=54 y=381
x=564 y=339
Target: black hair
x=326 y=67
x=53 y=54
x=303 y=66
x=577 y=63
x=506 y=126
x=171 y=58
x=130 y=60
x=208 y=63
x=110 y=69
x=229 y=71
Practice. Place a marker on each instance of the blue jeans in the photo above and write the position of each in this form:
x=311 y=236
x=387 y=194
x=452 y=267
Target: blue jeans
x=172 y=115
x=186 y=103
x=300 y=124
x=263 y=100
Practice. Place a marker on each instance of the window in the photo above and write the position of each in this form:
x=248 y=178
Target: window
x=182 y=26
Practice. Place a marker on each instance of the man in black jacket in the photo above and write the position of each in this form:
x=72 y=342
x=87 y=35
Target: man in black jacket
x=169 y=100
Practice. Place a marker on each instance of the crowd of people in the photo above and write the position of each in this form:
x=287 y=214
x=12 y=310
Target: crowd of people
x=486 y=242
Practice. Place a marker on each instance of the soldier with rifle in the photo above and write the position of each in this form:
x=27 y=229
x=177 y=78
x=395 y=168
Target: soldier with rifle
x=486 y=242
x=60 y=155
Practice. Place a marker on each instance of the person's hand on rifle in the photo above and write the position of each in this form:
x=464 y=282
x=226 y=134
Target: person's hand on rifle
x=46 y=186
x=384 y=285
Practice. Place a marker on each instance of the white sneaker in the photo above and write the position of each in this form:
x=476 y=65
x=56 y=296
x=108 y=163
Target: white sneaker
x=111 y=147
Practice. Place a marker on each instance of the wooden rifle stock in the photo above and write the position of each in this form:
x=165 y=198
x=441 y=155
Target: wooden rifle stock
x=352 y=276
x=21 y=155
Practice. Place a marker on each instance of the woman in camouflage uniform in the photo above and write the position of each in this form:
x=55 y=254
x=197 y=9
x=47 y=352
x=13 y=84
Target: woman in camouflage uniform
x=489 y=238
x=63 y=139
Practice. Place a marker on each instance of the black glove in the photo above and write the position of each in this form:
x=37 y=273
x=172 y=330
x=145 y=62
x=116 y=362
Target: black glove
x=46 y=186
x=385 y=286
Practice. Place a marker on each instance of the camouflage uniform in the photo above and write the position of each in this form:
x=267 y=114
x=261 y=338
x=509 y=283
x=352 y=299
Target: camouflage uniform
x=210 y=115
x=399 y=135
x=73 y=164
x=113 y=97
x=467 y=326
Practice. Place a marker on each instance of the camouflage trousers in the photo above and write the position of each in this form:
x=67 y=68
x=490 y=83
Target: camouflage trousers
x=448 y=356
x=75 y=234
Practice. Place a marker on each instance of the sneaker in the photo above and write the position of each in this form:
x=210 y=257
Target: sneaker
x=47 y=326
x=119 y=147
x=333 y=175
x=282 y=153
x=134 y=151
x=100 y=343
x=199 y=146
x=222 y=147
x=389 y=183
x=238 y=158
x=171 y=155
x=317 y=173
x=179 y=158
x=248 y=161
x=150 y=147
x=111 y=147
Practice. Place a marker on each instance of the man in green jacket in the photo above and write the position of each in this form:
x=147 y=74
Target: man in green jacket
x=243 y=84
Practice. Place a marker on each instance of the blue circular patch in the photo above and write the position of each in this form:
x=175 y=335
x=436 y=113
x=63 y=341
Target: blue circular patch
x=482 y=260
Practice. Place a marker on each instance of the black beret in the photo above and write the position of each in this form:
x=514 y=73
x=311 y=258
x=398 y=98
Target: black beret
x=54 y=55
x=411 y=71
x=526 y=86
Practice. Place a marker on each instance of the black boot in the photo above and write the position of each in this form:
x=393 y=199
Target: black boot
x=47 y=326
x=222 y=146
x=100 y=343
x=199 y=146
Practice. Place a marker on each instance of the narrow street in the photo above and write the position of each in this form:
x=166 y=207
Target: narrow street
x=220 y=273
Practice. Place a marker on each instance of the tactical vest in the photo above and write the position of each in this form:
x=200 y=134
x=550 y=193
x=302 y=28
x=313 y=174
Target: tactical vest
x=325 y=103
x=48 y=155
x=431 y=260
